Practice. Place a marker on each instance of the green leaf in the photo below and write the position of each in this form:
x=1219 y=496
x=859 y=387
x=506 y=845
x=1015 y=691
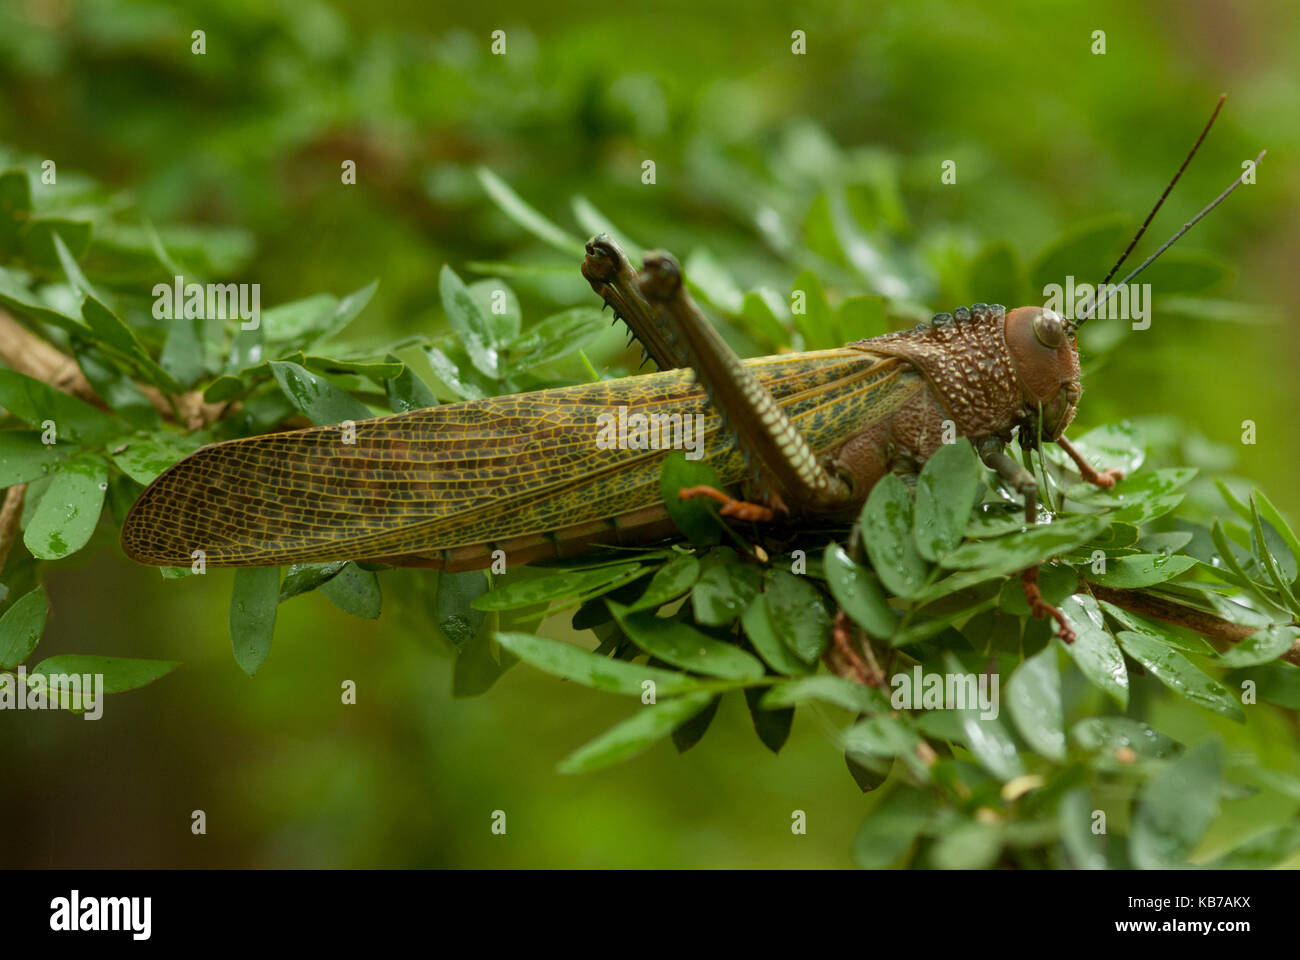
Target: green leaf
x=593 y=222
x=670 y=581
x=1056 y=581
x=992 y=746
x=66 y=516
x=480 y=663
x=693 y=730
x=762 y=313
x=1075 y=816
x=762 y=634
x=725 y=589
x=1094 y=650
x=557 y=336
x=528 y=218
x=322 y=402
x=1018 y=551
x=1158 y=632
x=642 y=730
x=252 y=615
x=1118 y=446
x=1264 y=851
x=710 y=278
x=568 y=662
x=860 y=318
x=468 y=323
x=556 y=586
x=24 y=457
x=408 y=392
x=798 y=613
x=1178 y=674
x=454 y=612
x=1274 y=682
x=120 y=673
x=182 y=354
x=145 y=457
x=499 y=307
x=305 y=577
x=945 y=494
x=1034 y=699
x=1141 y=570
x=854 y=697
x=772 y=726
x=683 y=646
x=1274 y=557
x=813 y=318
x=1175 y=809
x=858 y=592
x=373 y=369
x=21 y=627
x=886 y=522
x=968 y=846
x=885 y=736
x=892 y=828
x=697 y=519
x=37 y=241
x=1271 y=514
x=109 y=329
x=34 y=402
x=446 y=370
x=355 y=591
x=1260 y=647
x=1108 y=735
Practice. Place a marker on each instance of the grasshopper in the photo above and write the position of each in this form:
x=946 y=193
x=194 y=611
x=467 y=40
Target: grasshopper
x=803 y=436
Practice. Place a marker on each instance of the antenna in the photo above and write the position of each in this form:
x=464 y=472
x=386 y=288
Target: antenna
x=1151 y=216
x=1105 y=291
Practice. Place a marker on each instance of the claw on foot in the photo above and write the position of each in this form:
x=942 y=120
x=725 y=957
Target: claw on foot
x=731 y=507
x=1040 y=608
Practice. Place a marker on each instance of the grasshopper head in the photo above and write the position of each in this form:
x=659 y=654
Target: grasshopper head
x=1046 y=362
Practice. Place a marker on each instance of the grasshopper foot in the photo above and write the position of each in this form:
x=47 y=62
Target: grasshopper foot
x=1087 y=472
x=1039 y=606
x=731 y=507
x=843 y=659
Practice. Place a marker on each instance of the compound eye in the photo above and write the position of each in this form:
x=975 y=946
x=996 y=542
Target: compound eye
x=1049 y=329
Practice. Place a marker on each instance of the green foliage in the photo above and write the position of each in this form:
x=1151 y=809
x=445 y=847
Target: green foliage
x=930 y=573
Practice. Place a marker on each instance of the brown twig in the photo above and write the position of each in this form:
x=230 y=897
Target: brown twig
x=25 y=352
x=11 y=512
x=1180 y=615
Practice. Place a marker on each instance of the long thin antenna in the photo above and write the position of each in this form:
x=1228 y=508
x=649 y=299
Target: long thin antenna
x=1151 y=216
x=1170 y=242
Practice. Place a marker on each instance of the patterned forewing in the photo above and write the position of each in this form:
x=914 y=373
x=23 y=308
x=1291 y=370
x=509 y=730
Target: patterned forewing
x=471 y=472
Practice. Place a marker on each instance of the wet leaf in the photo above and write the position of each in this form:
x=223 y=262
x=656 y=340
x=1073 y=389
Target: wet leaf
x=683 y=646
x=650 y=724
x=886 y=522
x=1175 y=809
x=858 y=592
x=1094 y=650
x=572 y=663
x=66 y=516
x=1178 y=674
x=252 y=615
x=798 y=613
x=1034 y=699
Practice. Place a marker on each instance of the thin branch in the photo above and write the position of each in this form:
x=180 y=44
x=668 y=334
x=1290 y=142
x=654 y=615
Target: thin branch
x=1180 y=615
x=25 y=352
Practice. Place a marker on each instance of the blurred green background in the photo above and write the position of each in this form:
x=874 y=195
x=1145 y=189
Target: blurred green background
x=746 y=138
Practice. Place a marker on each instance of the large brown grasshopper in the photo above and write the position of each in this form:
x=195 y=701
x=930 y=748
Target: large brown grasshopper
x=803 y=435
